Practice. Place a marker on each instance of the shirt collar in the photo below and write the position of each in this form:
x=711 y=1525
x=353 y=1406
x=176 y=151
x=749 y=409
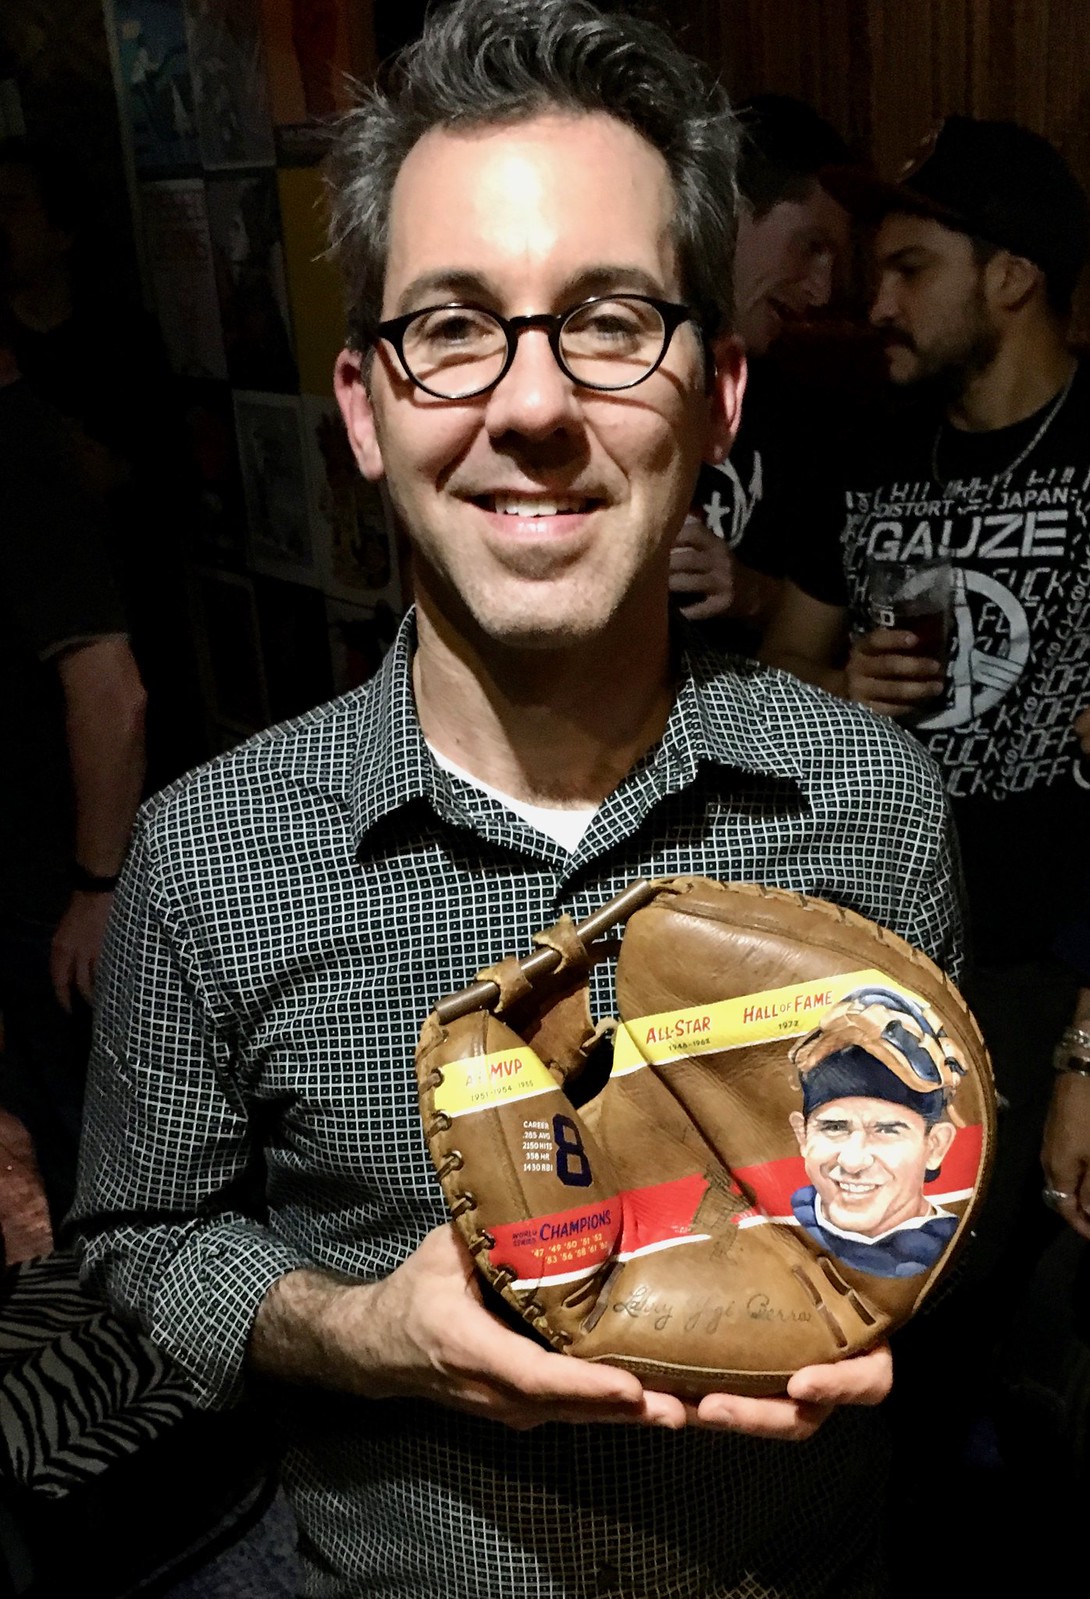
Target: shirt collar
x=729 y=729
x=731 y=726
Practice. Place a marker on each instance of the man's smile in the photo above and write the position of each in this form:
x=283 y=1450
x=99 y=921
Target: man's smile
x=525 y=505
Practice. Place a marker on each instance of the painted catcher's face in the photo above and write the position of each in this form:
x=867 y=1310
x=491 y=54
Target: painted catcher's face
x=541 y=513
x=867 y=1158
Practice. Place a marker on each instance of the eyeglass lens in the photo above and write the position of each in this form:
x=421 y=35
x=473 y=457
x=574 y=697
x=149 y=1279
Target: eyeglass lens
x=608 y=344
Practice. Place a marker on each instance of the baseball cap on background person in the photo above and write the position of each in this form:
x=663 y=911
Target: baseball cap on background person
x=996 y=181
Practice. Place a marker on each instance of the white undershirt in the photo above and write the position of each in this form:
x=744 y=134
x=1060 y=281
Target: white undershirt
x=565 y=826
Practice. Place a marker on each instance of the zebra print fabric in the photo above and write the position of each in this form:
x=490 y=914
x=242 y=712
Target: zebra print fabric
x=79 y=1388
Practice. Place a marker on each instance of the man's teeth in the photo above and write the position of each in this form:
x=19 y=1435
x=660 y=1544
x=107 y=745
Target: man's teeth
x=509 y=506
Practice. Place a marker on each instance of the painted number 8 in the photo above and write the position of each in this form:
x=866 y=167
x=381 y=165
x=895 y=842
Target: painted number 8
x=572 y=1162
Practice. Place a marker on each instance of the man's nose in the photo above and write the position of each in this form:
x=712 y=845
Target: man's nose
x=855 y=1154
x=534 y=397
x=819 y=281
x=883 y=308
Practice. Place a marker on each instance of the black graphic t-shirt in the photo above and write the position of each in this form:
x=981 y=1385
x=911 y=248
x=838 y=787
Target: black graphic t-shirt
x=1010 y=509
x=779 y=493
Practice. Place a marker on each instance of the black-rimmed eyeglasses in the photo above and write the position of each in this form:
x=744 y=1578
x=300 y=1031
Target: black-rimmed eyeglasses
x=614 y=341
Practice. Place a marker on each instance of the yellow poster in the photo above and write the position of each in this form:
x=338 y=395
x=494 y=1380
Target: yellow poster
x=314 y=287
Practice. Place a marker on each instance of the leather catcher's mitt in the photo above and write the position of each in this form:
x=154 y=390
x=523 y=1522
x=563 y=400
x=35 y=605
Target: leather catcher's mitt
x=792 y=1140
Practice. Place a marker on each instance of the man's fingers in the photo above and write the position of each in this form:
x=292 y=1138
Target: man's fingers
x=884 y=692
x=859 y=1380
x=1075 y=1215
x=692 y=580
x=812 y=1394
x=703 y=610
x=785 y=1419
x=693 y=535
x=886 y=641
x=511 y=1361
x=904 y=670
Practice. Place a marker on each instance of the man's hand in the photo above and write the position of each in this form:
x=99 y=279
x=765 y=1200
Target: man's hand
x=424 y=1332
x=77 y=945
x=443 y=1344
x=701 y=563
x=812 y=1395
x=1082 y=730
x=881 y=675
x=1065 y=1152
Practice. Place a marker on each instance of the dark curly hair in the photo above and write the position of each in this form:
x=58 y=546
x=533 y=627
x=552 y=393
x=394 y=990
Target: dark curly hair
x=485 y=62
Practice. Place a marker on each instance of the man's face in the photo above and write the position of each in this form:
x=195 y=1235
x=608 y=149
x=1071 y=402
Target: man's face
x=867 y=1159
x=540 y=513
x=931 y=303
x=785 y=263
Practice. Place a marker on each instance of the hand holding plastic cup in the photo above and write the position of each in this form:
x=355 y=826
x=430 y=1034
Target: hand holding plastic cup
x=914 y=597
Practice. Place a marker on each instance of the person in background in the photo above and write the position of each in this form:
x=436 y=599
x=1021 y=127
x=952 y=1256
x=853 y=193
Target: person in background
x=97 y=358
x=977 y=254
x=779 y=485
x=986 y=471
x=527 y=226
x=73 y=771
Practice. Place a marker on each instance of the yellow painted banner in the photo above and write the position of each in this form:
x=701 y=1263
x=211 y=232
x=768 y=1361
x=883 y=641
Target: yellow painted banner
x=484 y=1081
x=733 y=1023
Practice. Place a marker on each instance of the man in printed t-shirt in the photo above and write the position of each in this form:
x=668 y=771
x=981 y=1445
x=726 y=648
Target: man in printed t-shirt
x=977 y=252
x=780 y=482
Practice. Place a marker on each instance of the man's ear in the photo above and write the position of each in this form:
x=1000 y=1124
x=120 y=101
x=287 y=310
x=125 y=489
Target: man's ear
x=798 y=1126
x=350 y=387
x=728 y=384
x=939 y=1139
x=1011 y=280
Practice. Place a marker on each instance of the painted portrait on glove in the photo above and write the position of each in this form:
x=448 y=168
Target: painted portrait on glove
x=878 y=1080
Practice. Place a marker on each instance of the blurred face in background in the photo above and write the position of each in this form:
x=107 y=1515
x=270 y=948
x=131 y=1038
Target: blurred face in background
x=785 y=263
x=931 y=303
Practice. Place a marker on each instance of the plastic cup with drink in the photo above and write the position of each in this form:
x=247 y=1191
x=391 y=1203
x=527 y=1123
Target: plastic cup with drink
x=914 y=597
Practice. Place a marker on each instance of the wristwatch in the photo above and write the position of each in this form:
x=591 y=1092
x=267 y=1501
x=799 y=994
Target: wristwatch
x=85 y=882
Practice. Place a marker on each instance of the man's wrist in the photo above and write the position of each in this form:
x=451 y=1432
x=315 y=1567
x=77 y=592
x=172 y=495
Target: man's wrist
x=81 y=881
x=299 y=1333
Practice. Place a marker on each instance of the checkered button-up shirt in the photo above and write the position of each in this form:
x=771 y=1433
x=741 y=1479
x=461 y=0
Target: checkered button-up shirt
x=288 y=916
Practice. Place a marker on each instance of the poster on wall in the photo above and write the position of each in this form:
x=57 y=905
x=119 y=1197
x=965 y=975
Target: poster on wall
x=156 y=88
x=353 y=531
x=270 y=447
x=313 y=49
x=230 y=82
x=314 y=284
x=217 y=525
x=248 y=264
x=178 y=251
